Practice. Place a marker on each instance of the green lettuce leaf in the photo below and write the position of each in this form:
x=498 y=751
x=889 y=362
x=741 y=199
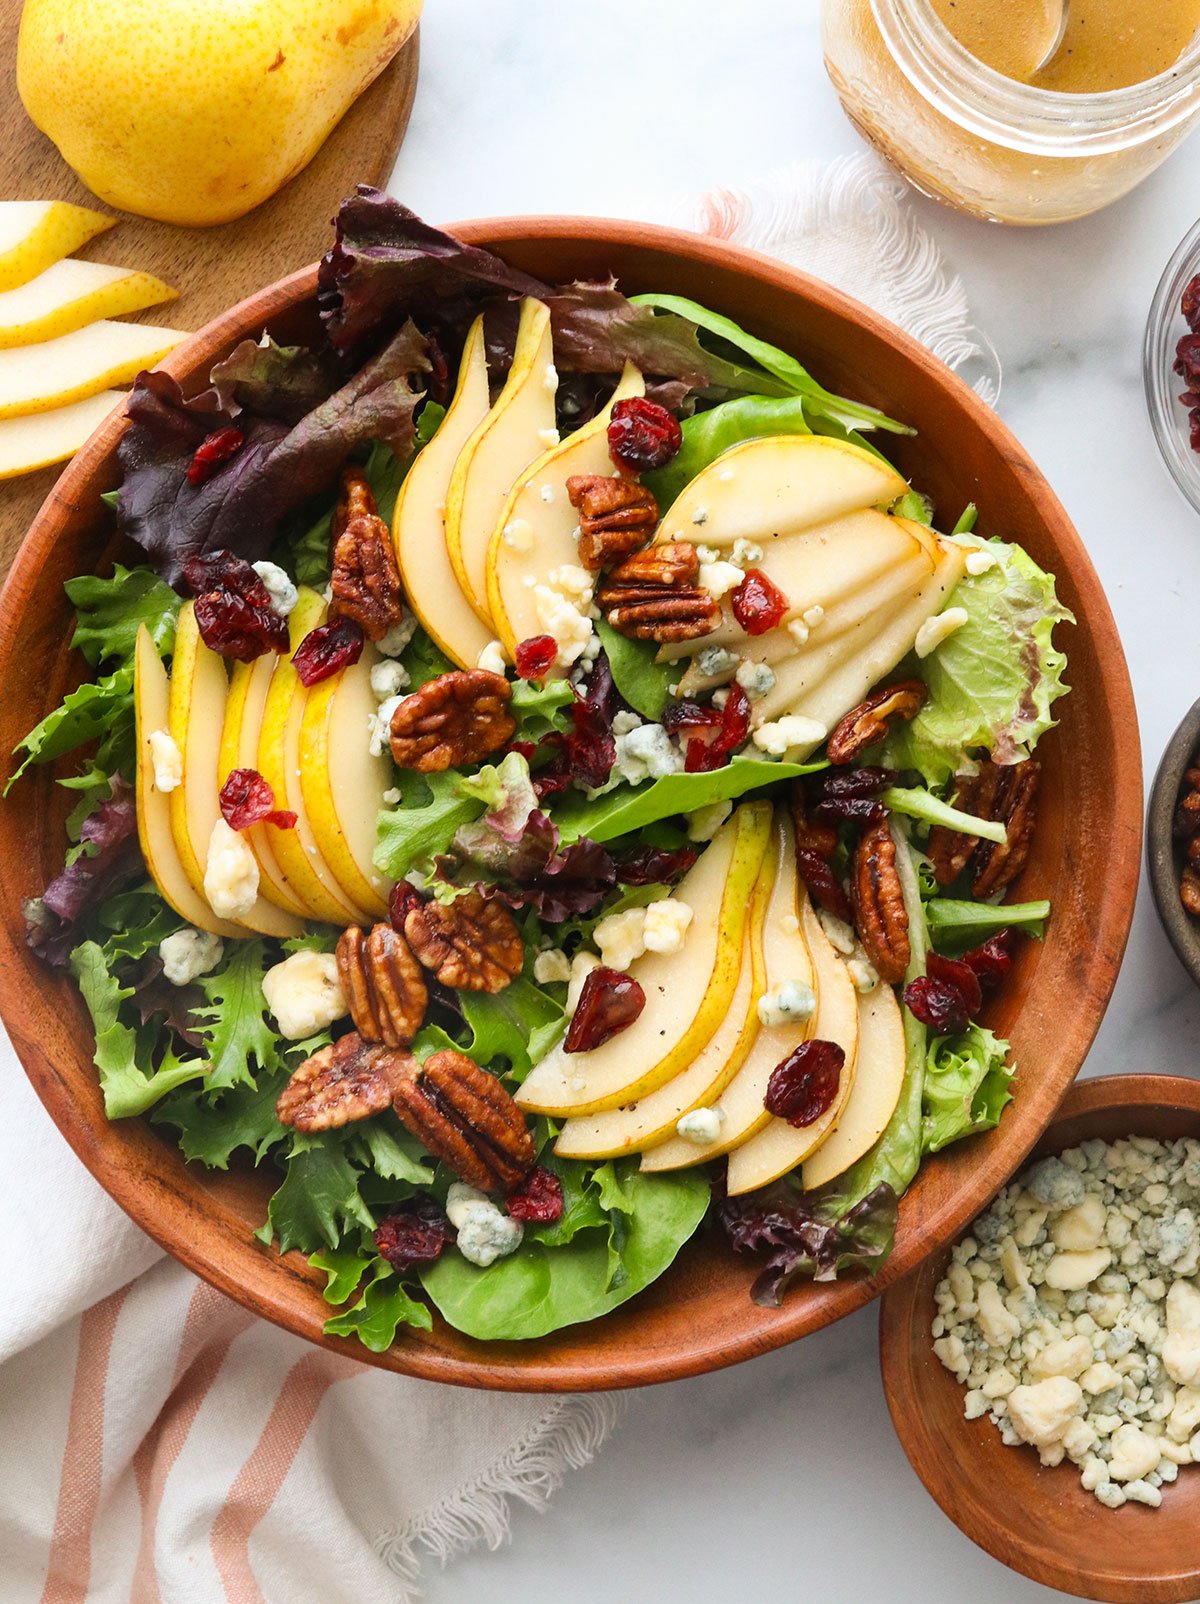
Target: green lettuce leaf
x=640 y=680
x=233 y=1022
x=617 y=812
x=423 y=822
x=964 y=924
x=212 y=1129
x=344 y=1268
x=966 y=1087
x=100 y=709
x=540 y=1288
x=110 y=612
x=540 y=709
x=318 y=1200
x=707 y=434
x=993 y=682
x=383 y=1307
x=520 y=1024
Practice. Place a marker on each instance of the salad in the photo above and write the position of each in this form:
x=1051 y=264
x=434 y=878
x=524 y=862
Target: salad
x=541 y=783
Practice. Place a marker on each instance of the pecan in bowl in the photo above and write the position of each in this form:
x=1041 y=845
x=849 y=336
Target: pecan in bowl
x=365 y=582
x=880 y=916
x=616 y=517
x=652 y=595
x=452 y=721
x=870 y=721
x=466 y=1118
x=1000 y=792
x=382 y=984
x=472 y=943
x=348 y=1081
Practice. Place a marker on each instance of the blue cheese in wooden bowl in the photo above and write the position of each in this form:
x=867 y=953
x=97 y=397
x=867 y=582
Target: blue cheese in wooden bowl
x=1071 y=1314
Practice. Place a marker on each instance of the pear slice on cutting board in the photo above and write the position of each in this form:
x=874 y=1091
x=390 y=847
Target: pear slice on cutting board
x=786 y=956
x=37 y=378
x=536 y=531
x=419 y=527
x=688 y=993
x=34 y=234
x=70 y=294
x=43 y=438
x=878 y=1081
x=518 y=428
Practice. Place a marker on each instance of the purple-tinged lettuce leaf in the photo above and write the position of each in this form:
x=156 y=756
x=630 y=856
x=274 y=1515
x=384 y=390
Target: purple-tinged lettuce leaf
x=240 y=506
x=111 y=859
x=508 y=792
x=530 y=872
x=805 y=1237
x=275 y=381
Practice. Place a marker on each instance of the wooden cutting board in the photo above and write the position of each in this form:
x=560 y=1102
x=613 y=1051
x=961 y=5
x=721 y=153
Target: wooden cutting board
x=212 y=268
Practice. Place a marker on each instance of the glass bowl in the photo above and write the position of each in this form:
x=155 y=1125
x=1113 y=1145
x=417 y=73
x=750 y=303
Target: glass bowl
x=1168 y=416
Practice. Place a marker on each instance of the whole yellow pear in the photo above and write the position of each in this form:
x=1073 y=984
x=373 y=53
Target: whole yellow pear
x=195 y=111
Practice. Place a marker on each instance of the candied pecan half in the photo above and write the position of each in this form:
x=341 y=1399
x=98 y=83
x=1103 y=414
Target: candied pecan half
x=382 y=983
x=616 y=516
x=880 y=916
x=456 y=719
x=366 y=580
x=472 y=943
x=949 y=850
x=815 y=845
x=870 y=720
x=650 y=596
x=676 y=563
x=1189 y=890
x=466 y=1119
x=1187 y=814
x=1015 y=805
x=350 y=1080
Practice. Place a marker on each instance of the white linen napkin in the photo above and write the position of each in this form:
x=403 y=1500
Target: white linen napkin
x=162 y=1446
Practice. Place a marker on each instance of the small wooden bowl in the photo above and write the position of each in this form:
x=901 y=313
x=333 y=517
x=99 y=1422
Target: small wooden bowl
x=1085 y=855
x=1164 y=854
x=1035 y=1518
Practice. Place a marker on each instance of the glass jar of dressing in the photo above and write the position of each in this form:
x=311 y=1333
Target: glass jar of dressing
x=1000 y=110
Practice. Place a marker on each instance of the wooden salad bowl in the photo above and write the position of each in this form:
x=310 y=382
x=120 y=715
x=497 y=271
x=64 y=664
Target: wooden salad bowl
x=1035 y=1518
x=1085 y=857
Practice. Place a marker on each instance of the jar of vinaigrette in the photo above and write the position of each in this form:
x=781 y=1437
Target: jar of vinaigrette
x=1011 y=109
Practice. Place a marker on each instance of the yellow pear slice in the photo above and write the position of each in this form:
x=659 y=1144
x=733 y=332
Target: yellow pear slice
x=196 y=719
x=36 y=378
x=878 y=1081
x=342 y=783
x=518 y=428
x=419 y=527
x=34 y=234
x=536 y=531
x=296 y=851
x=688 y=993
x=778 y=1146
x=43 y=438
x=70 y=294
x=891 y=641
x=653 y=1118
x=151 y=698
x=785 y=957
x=819 y=567
x=767 y=488
x=248 y=685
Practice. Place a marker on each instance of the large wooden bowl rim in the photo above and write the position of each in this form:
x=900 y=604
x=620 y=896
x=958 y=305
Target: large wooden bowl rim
x=626 y=1348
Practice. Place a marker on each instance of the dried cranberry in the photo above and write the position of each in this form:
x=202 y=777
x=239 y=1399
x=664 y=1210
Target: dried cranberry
x=859 y=809
x=955 y=972
x=609 y=1002
x=535 y=657
x=690 y=716
x=247 y=799
x=758 y=604
x=992 y=961
x=1187 y=357
x=326 y=649
x=836 y=784
x=212 y=451
x=413 y=1235
x=655 y=866
x=804 y=1085
x=938 y=1004
x=1189 y=305
x=703 y=756
x=524 y=749
x=823 y=885
x=403 y=899
x=233 y=607
x=642 y=434
x=538 y=1200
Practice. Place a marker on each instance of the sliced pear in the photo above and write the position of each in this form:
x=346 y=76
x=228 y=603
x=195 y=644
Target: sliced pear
x=71 y=293
x=296 y=851
x=688 y=993
x=43 y=438
x=535 y=532
x=151 y=699
x=771 y=487
x=35 y=234
x=820 y=567
x=786 y=957
x=37 y=378
x=778 y=1146
x=248 y=684
x=196 y=719
x=342 y=784
x=878 y=1080
x=891 y=640
x=653 y=1118
x=518 y=428
x=419 y=527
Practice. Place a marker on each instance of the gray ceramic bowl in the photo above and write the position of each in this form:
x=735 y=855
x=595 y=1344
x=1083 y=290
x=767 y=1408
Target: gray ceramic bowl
x=1164 y=855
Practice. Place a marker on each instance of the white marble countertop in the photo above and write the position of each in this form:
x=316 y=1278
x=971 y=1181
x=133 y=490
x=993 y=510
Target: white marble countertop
x=783 y=1477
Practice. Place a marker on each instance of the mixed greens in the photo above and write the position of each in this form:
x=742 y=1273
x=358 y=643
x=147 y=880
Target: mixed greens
x=559 y=827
